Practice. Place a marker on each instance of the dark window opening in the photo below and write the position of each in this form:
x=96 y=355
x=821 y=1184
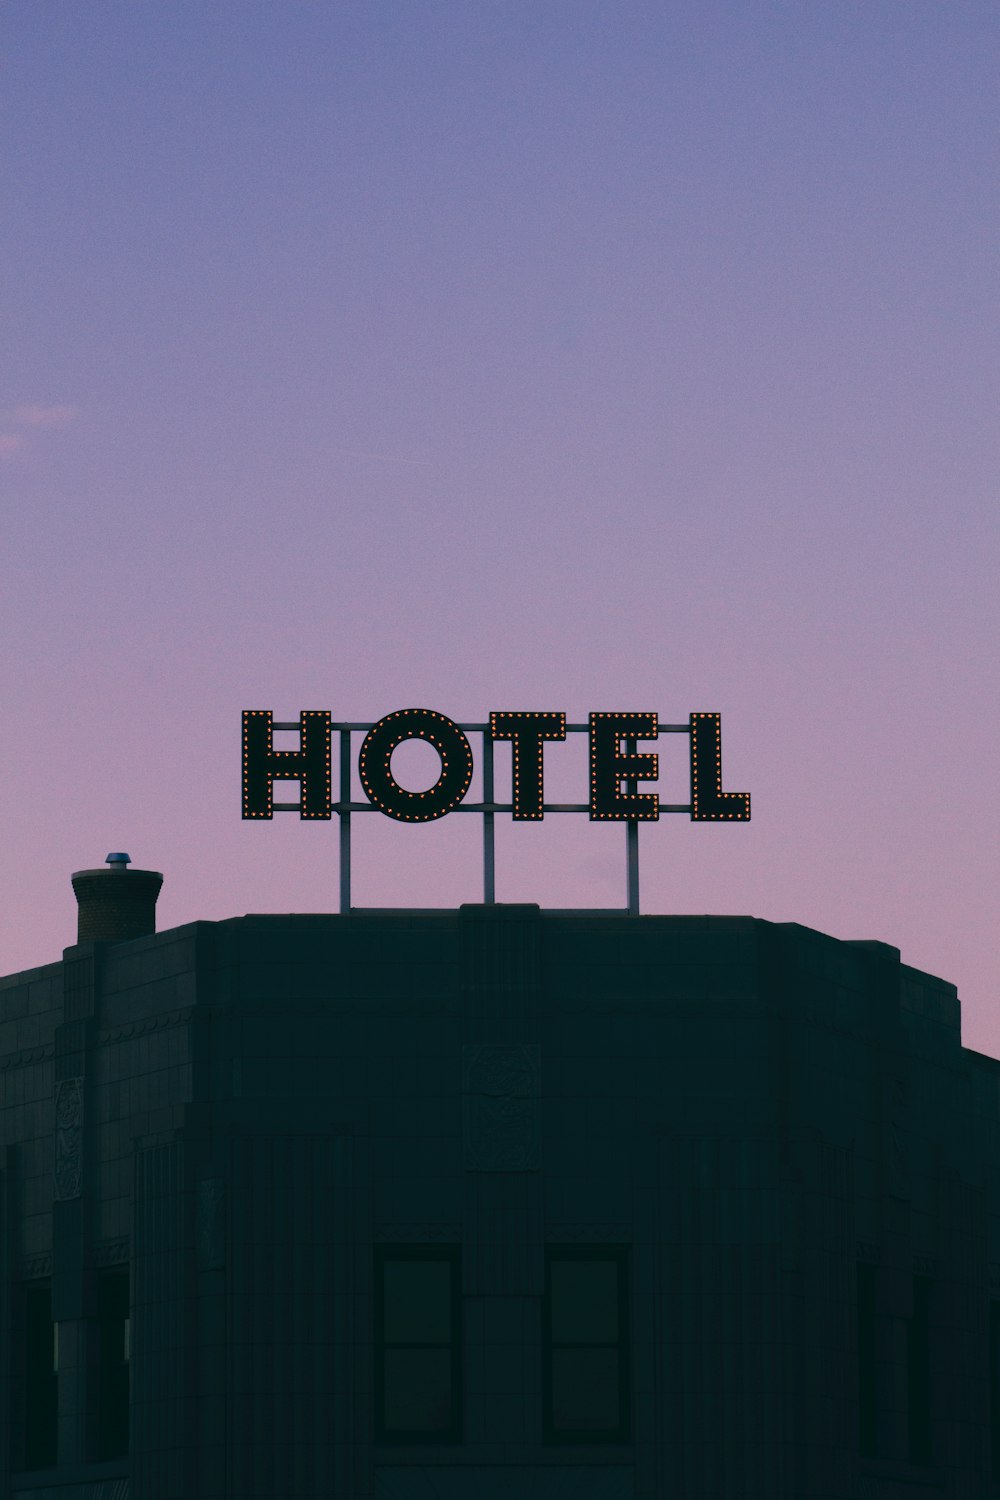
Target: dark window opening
x=995 y=1386
x=113 y=1331
x=41 y=1362
x=418 y=1341
x=919 y=1373
x=866 y=1360
x=585 y=1345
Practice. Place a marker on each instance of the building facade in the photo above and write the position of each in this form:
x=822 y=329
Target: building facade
x=495 y=1202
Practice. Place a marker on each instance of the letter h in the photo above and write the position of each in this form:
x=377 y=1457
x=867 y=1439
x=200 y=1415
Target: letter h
x=309 y=764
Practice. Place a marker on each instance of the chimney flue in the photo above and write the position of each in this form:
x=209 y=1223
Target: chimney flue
x=116 y=903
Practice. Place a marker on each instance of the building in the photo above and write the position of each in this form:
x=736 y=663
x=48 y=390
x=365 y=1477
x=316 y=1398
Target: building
x=495 y=1202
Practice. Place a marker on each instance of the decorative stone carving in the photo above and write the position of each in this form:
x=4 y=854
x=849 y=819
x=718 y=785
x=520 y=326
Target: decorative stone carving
x=69 y=1138
x=501 y=1068
x=130 y=1029
x=417 y=1234
x=210 y=1235
x=27 y=1057
x=36 y=1267
x=112 y=1253
x=501 y=1083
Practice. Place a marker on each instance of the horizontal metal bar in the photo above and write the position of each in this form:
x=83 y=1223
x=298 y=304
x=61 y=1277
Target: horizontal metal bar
x=483 y=807
x=660 y=729
x=483 y=728
x=334 y=725
x=547 y=911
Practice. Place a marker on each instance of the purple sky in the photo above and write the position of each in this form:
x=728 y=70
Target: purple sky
x=537 y=354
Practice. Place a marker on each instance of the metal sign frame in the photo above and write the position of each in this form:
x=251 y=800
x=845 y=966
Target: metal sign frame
x=345 y=806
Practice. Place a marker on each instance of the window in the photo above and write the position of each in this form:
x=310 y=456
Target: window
x=585 y=1345
x=919 y=1373
x=866 y=1359
x=995 y=1386
x=418 y=1341
x=112 y=1364
x=41 y=1362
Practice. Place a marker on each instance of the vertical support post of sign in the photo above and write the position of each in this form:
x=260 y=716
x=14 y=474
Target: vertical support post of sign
x=632 y=858
x=489 y=862
x=632 y=845
x=345 y=821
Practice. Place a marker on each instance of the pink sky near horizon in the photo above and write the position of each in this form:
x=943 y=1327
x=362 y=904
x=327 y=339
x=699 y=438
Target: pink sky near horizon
x=504 y=357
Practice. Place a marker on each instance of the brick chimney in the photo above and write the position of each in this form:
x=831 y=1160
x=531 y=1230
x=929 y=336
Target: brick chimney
x=116 y=903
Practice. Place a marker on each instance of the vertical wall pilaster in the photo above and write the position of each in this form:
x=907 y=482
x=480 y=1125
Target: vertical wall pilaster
x=502 y=1202
x=823 y=1372
x=163 y=1371
x=723 y=1425
x=894 y=1302
x=290 y=1316
x=72 y=1192
x=959 y=1337
x=8 y=1218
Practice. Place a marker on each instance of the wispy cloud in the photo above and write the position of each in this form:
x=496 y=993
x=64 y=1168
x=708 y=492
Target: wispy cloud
x=35 y=417
x=45 y=416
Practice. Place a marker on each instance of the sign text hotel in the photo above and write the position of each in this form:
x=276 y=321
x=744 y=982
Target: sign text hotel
x=614 y=760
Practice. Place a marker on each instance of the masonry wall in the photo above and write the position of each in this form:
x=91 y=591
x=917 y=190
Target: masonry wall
x=245 y=1108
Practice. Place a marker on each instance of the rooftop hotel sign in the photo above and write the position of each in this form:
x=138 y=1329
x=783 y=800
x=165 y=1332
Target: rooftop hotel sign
x=617 y=767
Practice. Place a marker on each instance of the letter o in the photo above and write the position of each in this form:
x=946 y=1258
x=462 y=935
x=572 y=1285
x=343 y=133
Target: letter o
x=385 y=792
